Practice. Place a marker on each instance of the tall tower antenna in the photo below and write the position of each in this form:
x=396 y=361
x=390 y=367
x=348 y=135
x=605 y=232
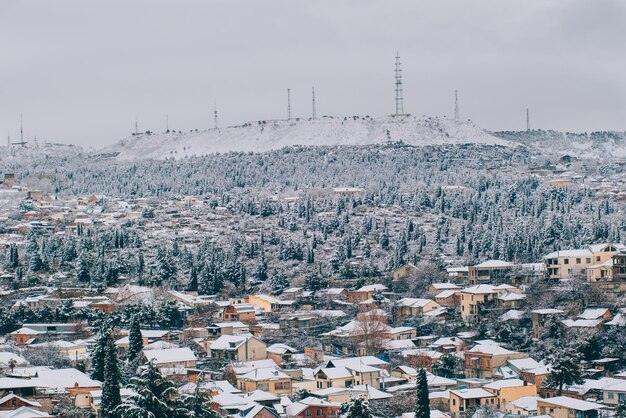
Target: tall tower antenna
x=527 y=120
x=399 y=99
x=8 y=139
x=288 y=104
x=167 y=122
x=457 y=112
x=215 y=115
x=313 y=97
x=136 y=127
x=21 y=129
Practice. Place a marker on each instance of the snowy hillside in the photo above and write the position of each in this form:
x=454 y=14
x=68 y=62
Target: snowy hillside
x=270 y=135
x=594 y=145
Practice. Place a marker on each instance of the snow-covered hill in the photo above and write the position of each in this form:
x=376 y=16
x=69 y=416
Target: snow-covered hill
x=270 y=135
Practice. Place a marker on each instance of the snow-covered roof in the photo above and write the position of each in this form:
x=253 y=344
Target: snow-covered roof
x=494 y=264
x=473 y=393
x=595 y=313
x=527 y=403
x=572 y=403
x=170 y=355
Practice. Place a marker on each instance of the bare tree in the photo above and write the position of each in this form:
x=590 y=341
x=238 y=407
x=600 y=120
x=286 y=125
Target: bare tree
x=370 y=331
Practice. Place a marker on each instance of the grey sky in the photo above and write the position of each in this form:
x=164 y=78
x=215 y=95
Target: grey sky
x=81 y=70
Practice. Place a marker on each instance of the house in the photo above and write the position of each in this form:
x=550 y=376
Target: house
x=566 y=407
x=509 y=390
x=281 y=353
x=615 y=393
x=365 y=292
x=406 y=307
x=267 y=379
x=258 y=411
x=617 y=279
x=238 y=348
x=561 y=265
x=539 y=317
x=489 y=271
x=474 y=298
x=525 y=406
x=404 y=272
x=483 y=360
x=242 y=312
x=464 y=401
x=12 y=402
x=217 y=329
x=172 y=361
x=268 y=303
x=313 y=407
x=29 y=332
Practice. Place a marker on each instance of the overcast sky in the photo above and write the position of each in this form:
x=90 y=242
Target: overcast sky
x=81 y=71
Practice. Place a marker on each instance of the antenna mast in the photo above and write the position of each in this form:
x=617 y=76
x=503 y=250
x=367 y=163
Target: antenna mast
x=314 y=115
x=288 y=104
x=399 y=99
x=215 y=115
x=136 y=128
x=21 y=129
x=167 y=122
x=527 y=121
x=457 y=112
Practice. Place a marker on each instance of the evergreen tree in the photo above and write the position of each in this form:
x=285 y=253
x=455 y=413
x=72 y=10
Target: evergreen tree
x=111 y=398
x=98 y=355
x=422 y=403
x=135 y=341
x=155 y=397
x=566 y=369
x=358 y=408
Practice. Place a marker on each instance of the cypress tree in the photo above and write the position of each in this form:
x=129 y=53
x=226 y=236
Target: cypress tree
x=422 y=403
x=135 y=341
x=98 y=356
x=111 y=398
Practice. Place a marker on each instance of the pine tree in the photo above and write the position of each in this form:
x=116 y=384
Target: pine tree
x=111 y=398
x=98 y=356
x=422 y=403
x=135 y=341
x=566 y=369
x=154 y=397
x=192 y=285
x=358 y=408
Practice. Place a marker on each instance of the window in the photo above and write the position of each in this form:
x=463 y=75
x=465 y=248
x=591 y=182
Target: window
x=566 y=261
x=320 y=412
x=578 y=261
x=589 y=260
x=307 y=413
x=597 y=258
x=611 y=395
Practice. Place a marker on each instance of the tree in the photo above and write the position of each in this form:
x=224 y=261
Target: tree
x=135 y=341
x=111 y=398
x=155 y=397
x=358 y=408
x=446 y=366
x=98 y=356
x=199 y=404
x=566 y=369
x=620 y=410
x=422 y=403
x=370 y=331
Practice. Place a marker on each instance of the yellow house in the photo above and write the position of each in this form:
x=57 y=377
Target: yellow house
x=488 y=271
x=464 y=401
x=473 y=297
x=268 y=303
x=566 y=407
x=560 y=265
x=266 y=379
x=510 y=390
x=415 y=306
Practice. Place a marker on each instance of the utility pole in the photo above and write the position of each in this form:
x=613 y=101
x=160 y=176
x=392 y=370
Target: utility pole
x=314 y=115
x=399 y=98
x=527 y=121
x=288 y=104
x=457 y=112
x=215 y=116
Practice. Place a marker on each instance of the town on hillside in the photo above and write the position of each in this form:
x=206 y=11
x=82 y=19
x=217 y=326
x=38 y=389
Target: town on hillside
x=324 y=305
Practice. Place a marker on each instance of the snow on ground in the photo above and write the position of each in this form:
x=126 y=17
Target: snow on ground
x=276 y=134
